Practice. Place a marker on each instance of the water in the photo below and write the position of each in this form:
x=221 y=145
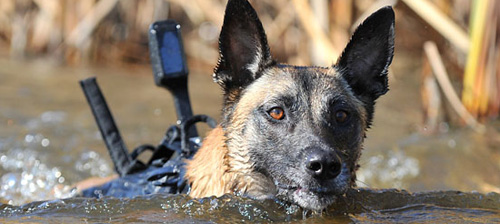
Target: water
x=49 y=141
x=361 y=206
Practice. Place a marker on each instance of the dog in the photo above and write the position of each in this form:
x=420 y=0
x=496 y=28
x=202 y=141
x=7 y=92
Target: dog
x=290 y=132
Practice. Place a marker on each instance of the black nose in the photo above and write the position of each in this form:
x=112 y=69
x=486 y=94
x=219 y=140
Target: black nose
x=323 y=164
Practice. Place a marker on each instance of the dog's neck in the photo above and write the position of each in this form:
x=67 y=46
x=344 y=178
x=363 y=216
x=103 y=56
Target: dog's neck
x=215 y=171
x=208 y=172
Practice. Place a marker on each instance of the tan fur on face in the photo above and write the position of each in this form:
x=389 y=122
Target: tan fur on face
x=250 y=182
x=222 y=164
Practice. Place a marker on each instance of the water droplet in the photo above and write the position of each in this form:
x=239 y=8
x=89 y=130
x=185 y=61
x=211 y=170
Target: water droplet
x=392 y=162
x=45 y=142
x=10 y=180
x=29 y=138
x=40 y=183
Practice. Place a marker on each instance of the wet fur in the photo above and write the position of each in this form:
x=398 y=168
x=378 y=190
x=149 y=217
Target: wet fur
x=252 y=154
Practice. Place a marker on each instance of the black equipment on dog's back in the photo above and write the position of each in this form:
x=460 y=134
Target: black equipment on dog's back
x=169 y=66
x=164 y=172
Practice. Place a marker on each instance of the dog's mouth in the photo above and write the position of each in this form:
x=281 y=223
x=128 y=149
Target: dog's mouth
x=298 y=188
x=314 y=197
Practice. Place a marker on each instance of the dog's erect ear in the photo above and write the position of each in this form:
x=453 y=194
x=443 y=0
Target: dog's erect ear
x=242 y=45
x=367 y=57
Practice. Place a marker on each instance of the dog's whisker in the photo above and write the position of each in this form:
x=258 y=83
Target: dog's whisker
x=364 y=183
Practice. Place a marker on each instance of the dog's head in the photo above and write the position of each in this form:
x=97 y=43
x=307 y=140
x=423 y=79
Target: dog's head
x=297 y=132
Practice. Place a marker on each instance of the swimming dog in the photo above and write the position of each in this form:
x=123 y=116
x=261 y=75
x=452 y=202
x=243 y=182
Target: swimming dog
x=290 y=132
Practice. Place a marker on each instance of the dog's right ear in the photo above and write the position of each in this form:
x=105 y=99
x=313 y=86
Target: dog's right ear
x=366 y=59
x=243 y=47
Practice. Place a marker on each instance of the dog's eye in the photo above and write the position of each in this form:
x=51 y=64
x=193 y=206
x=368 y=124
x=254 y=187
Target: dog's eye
x=276 y=113
x=341 y=116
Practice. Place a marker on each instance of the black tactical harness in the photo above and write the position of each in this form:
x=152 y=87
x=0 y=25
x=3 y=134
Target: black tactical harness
x=164 y=172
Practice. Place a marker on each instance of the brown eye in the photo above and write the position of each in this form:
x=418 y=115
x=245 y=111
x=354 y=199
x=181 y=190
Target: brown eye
x=277 y=113
x=341 y=116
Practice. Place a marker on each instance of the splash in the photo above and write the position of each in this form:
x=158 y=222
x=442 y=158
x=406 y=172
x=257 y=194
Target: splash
x=30 y=164
x=389 y=170
x=28 y=179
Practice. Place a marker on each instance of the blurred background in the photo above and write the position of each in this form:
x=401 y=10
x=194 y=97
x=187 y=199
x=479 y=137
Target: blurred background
x=436 y=129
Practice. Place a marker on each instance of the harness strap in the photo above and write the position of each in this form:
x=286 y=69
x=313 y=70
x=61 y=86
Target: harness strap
x=122 y=161
x=186 y=125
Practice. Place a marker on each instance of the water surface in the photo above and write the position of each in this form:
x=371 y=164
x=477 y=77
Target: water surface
x=360 y=206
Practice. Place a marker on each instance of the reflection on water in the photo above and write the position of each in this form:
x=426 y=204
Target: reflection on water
x=49 y=141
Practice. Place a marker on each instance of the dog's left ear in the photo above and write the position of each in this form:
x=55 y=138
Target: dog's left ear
x=366 y=59
x=243 y=47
